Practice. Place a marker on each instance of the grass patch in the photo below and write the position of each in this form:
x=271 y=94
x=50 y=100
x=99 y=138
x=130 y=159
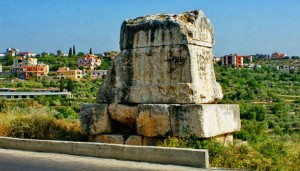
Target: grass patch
x=38 y=122
x=269 y=153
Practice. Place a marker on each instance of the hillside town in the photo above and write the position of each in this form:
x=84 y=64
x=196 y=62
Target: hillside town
x=240 y=61
x=26 y=65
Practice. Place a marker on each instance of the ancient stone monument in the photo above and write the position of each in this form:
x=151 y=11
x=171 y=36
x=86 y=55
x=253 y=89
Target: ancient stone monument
x=161 y=84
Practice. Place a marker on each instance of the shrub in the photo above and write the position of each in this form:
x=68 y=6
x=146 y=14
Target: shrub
x=231 y=156
x=278 y=130
x=66 y=112
x=252 y=131
x=253 y=112
x=38 y=123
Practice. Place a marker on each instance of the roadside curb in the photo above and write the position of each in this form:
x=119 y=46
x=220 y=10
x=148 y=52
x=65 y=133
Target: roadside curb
x=162 y=155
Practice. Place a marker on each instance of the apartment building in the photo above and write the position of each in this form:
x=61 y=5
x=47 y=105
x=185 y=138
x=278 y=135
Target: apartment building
x=27 y=72
x=65 y=72
x=21 y=61
x=233 y=60
x=89 y=62
x=98 y=74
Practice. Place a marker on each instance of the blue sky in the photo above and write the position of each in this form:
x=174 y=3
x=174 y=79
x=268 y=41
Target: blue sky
x=241 y=26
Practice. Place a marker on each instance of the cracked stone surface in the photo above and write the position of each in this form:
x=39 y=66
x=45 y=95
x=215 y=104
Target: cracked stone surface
x=165 y=58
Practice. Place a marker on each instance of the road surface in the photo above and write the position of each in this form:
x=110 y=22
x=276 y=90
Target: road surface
x=14 y=160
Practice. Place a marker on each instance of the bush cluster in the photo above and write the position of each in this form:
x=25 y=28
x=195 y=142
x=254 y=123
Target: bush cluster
x=265 y=154
x=37 y=122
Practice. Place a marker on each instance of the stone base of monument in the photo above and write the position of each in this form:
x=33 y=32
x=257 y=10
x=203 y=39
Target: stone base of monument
x=146 y=124
x=138 y=140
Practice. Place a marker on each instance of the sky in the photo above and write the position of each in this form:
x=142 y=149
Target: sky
x=241 y=26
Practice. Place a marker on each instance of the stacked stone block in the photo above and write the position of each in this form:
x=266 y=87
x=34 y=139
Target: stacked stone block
x=161 y=84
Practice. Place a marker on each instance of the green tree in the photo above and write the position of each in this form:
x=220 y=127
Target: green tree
x=80 y=54
x=44 y=54
x=91 y=52
x=70 y=52
x=74 y=51
x=280 y=109
x=7 y=60
x=104 y=64
x=59 y=53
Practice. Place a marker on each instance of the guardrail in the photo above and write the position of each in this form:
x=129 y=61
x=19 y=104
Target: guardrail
x=162 y=155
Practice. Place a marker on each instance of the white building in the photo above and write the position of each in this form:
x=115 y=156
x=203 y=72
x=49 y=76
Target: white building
x=98 y=74
x=12 y=51
x=21 y=61
x=89 y=62
x=287 y=68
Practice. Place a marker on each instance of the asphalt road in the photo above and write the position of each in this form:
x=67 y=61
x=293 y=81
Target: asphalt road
x=14 y=160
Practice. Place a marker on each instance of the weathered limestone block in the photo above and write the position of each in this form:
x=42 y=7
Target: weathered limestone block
x=134 y=140
x=224 y=139
x=107 y=90
x=153 y=120
x=164 y=59
x=191 y=27
x=205 y=120
x=94 y=119
x=124 y=114
x=108 y=138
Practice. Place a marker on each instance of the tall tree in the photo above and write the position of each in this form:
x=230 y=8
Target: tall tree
x=74 y=51
x=59 y=53
x=80 y=54
x=70 y=52
x=91 y=51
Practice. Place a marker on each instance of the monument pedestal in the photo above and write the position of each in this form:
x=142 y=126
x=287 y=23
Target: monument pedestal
x=162 y=120
x=201 y=120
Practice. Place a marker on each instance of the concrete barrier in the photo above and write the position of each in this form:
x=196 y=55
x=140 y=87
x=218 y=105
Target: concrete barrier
x=162 y=155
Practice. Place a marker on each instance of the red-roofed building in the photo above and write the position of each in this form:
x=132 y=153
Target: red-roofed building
x=26 y=54
x=36 y=71
x=27 y=72
x=89 y=62
x=278 y=55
